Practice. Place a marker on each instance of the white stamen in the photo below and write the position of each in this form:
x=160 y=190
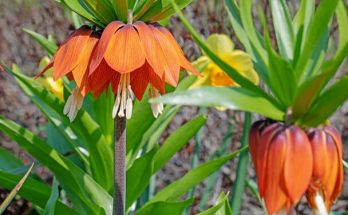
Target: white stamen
x=73 y=104
x=124 y=98
x=321 y=208
x=157 y=108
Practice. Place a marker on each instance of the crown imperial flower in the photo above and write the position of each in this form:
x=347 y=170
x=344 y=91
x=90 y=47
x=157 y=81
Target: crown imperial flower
x=283 y=161
x=128 y=56
x=327 y=178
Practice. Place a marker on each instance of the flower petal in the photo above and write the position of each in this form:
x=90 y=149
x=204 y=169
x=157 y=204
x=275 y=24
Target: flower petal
x=103 y=43
x=124 y=53
x=68 y=55
x=298 y=164
x=220 y=44
x=100 y=77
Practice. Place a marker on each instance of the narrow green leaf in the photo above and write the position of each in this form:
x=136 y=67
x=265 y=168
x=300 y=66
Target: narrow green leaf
x=342 y=20
x=102 y=9
x=283 y=28
x=260 y=60
x=242 y=168
x=91 y=193
x=165 y=207
x=189 y=180
x=177 y=140
x=8 y=161
x=15 y=190
x=143 y=8
x=316 y=29
x=235 y=98
x=236 y=76
x=168 y=10
x=220 y=208
x=327 y=103
x=83 y=126
x=138 y=176
x=52 y=201
x=80 y=8
x=121 y=9
x=49 y=46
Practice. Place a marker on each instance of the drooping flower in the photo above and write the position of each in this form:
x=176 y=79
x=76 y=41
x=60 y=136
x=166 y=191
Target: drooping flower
x=223 y=47
x=327 y=178
x=72 y=59
x=132 y=57
x=283 y=161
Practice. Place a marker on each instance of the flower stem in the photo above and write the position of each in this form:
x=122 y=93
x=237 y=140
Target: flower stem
x=120 y=166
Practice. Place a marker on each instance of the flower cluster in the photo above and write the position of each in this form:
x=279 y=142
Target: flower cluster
x=129 y=57
x=290 y=162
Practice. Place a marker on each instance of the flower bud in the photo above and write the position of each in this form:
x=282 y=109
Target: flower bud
x=283 y=161
x=327 y=177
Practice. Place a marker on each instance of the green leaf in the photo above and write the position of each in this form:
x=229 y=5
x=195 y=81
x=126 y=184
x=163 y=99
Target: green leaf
x=236 y=76
x=165 y=207
x=34 y=191
x=190 y=179
x=52 y=201
x=235 y=98
x=81 y=184
x=138 y=176
x=8 y=161
x=221 y=207
x=83 y=127
x=121 y=9
x=327 y=103
x=242 y=168
x=103 y=115
x=177 y=140
x=144 y=6
x=80 y=8
x=316 y=29
x=15 y=190
x=102 y=9
x=283 y=28
x=260 y=60
x=342 y=20
x=167 y=10
x=49 y=46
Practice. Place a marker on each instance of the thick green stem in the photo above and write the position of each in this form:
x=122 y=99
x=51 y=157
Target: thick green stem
x=242 y=169
x=120 y=166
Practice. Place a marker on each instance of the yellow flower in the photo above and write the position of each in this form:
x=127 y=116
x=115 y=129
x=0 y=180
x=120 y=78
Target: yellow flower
x=223 y=47
x=56 y=87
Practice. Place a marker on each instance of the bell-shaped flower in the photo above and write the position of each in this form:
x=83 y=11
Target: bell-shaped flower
x=283 y=161
x=327 y=178
x=223 y=47
x=131 y=56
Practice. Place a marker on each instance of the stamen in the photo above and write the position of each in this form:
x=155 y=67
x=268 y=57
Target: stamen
x=157 y=108
x=319 y=201
x=124 y=98
x=73 y=104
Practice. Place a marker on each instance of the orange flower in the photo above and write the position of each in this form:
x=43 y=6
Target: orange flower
x=127 y=56
x=72 y=59
x=327 y=175
x=283 y=161
x=131 y=56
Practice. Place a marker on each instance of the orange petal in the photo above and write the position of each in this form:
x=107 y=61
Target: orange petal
x=274 y=193
x=68 y=55
x=183 y=61
x=167 y=56
x=298 y=164
x=115 y=80
x=100 y=77
x=80 y=72
x=150 y=47
x=262 y=153
x=124 y=53
x=103 y=43
x=254 y=139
